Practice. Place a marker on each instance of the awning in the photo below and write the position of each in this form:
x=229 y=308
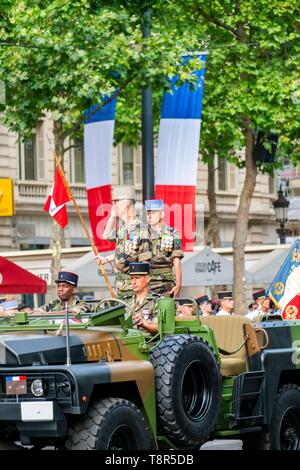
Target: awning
x=16 y=280
x=88 y=271
x=264 y=271
x=201 y=268
x=207 y=268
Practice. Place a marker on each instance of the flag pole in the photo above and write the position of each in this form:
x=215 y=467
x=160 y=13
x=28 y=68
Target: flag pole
x=96 y=253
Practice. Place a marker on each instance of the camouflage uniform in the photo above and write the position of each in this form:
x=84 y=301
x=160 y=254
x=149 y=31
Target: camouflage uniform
x=146 y=309
x=75 y=306
x=132 y=244
x=166 y=245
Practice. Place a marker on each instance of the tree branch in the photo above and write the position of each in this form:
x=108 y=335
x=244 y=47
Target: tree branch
x=70 y=147
x=215 y=21
x=77 y=126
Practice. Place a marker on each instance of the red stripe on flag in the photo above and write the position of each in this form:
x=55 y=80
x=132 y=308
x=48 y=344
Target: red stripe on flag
x=99 y=203
x=47 y=204
x=60 y=194
x=61 y=217
x=292 y=309
x=179 y=203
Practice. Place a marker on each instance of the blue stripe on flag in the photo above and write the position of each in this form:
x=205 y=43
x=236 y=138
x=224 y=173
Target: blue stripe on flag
x=185 y=102
x=107 y=113
x=276 y=289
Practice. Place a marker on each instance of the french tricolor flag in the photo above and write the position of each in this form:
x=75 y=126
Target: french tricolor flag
x=98 y=147
x=177 y=161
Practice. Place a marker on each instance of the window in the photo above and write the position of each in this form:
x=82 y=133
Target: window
x=2 y=92
x=127 y=165
x=222 y=174
x=77 y=162
x=31 y=156
x=30 y=159
x=130 y=166
x=226 y=175
x=271 y=185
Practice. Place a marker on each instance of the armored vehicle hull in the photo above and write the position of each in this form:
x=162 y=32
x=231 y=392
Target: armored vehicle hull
x=103 y=384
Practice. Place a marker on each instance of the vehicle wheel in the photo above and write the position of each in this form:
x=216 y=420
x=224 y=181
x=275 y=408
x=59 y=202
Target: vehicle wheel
x=188 y=388
x=109 y=424
x=285 y=422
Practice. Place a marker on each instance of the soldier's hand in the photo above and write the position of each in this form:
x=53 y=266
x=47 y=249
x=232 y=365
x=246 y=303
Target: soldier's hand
x=136 y=319
x=176 y=290
x=101 y=260
x=139 y=322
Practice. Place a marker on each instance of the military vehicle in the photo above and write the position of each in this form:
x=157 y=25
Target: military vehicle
x=96 y=382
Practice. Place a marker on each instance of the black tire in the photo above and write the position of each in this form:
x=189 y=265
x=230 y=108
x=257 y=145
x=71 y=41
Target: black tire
x=285 y=422
x=188 y=389
x=110 y=424
x=284 y=429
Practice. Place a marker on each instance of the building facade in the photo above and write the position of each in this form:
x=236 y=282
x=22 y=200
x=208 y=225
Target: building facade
x=30 y=164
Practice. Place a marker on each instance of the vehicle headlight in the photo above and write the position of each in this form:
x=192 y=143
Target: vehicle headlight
x=37 y=388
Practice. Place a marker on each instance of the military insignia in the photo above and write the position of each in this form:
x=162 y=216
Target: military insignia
x=278 y=288
x=291 y=312
x=177 y=243
x=146 y=314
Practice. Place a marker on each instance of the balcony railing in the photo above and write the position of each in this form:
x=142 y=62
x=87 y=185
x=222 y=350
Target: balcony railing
x=36 y=192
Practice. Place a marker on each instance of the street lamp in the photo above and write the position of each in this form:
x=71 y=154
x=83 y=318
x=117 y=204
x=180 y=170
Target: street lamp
x=281 y=206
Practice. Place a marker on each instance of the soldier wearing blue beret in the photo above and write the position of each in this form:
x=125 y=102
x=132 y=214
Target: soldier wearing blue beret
x=166 y=252
x=66 y=290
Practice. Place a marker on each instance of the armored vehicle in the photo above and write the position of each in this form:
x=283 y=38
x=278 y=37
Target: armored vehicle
x=96 y=382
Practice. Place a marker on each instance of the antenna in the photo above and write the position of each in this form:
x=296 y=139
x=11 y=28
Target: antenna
x=68 y=360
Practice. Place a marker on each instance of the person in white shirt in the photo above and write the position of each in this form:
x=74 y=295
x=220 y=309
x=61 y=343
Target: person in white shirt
x=226 y=302
x=263 y=303
x=204 y=305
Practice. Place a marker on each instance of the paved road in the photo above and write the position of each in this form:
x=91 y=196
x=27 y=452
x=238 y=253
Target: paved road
x=223 y=444
x=217 y=444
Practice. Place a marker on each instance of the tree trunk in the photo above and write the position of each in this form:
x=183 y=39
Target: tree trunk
x=214 y=230
x=241 y=225
x=58 y=239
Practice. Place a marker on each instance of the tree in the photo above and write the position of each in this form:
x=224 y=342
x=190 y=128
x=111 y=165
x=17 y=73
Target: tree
x=252 y=69
x=62 y=56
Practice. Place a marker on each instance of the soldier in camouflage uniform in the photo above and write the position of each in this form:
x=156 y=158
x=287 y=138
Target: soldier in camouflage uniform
x=66 y=289
x=142 y=306
x=131 y=237
x=166 y=252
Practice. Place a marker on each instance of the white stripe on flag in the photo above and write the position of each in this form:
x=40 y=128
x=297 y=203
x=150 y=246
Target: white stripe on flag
x=98 y=139
x=178 y=145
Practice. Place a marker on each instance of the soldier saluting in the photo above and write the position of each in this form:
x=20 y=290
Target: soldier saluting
x=66 y=290
x=131 y=237
x=167 y=252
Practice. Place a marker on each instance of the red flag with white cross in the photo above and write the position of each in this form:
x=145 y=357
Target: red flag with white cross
x=55 y=204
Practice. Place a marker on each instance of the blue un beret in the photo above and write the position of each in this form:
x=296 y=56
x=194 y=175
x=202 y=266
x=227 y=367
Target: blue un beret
x=69 y=278
x=154 y=205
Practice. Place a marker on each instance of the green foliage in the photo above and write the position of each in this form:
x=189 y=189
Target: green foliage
x=68 y=53
x=252 y=68
x=71 y=51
